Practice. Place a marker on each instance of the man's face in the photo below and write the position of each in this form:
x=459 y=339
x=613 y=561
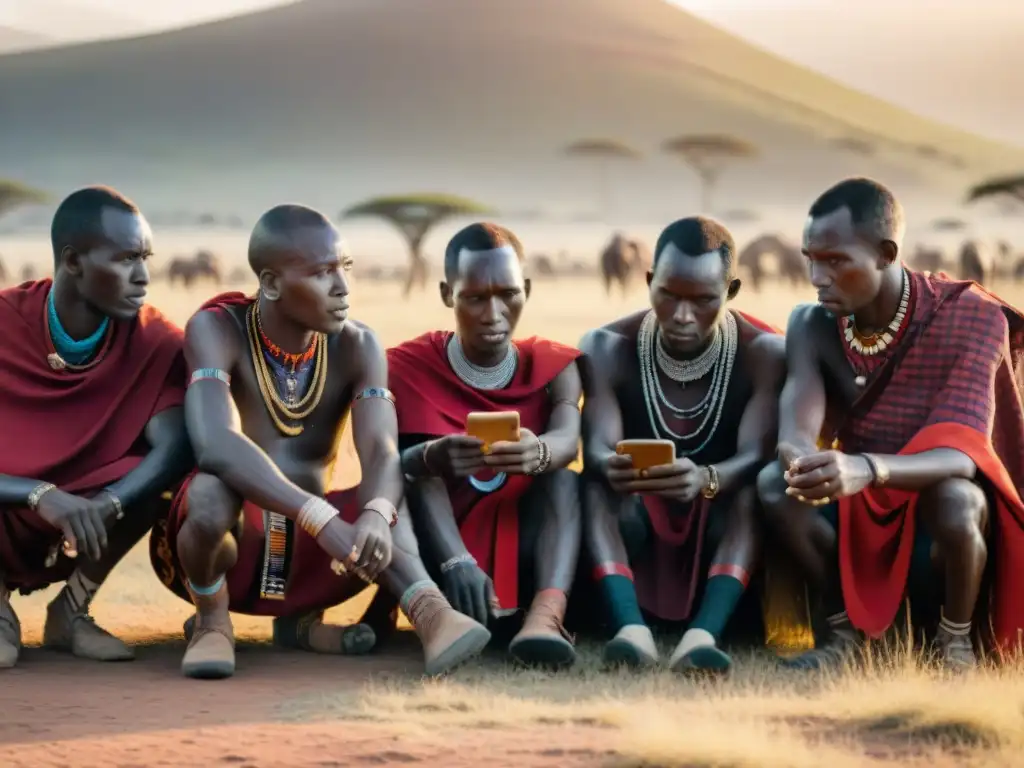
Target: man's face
x=112 y=275
x=688 y=295
x=488 y=293
x=312 y=287
x=845 y=269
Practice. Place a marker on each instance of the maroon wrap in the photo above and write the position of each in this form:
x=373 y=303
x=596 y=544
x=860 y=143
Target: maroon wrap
x=81 y=430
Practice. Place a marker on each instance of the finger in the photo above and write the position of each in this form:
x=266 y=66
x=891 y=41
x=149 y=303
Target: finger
x=812 y=478
x=622 y=475
x=480 y=608
x=819 y=491
x=467 y=468
x=365 y=542
x=812 y=461
x=380 y=557
x=620 y=461
x=79 y=535
x=460 y=442
x=362 y=534
x=463 y=600
x=667 y=470
x=505 y=446
x=92 y=545
x=101 y=529
x=461 y=454
x=70 y=546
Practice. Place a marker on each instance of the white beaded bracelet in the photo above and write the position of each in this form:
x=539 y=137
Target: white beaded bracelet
x=314 y=516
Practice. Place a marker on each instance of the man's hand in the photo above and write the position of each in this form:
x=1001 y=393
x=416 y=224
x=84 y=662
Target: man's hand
x=518 y=458
x=454 y=456
x=788 y=453
x=826 y=476
x=680 y=481
x=81 y=521
x=470 y=591
x=372 y=551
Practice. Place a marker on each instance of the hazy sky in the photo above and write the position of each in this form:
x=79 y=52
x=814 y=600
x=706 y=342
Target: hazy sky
x=940 y=58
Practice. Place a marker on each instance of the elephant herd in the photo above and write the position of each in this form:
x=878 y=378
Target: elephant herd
x=180 y=270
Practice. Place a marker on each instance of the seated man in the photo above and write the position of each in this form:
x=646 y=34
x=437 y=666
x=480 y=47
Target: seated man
x=913 y=375
x=93 y=382
x=501 y=530
x=707 y=378
x=252 y=531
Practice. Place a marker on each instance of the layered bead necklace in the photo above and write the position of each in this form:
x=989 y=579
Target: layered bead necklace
x=718 y=360
x=291 y=374
x=478 y=377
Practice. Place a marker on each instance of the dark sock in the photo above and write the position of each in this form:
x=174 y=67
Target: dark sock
x=620 y=598
x=721 y=595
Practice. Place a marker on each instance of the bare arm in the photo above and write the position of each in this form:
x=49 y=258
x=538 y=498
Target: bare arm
x=802 y=403
x=563 y=432
x=755 y=443
x=441 y=532
x=218 y=443
x=14 y=491
x=168 y=460
x=375 y=427
x=602 y=416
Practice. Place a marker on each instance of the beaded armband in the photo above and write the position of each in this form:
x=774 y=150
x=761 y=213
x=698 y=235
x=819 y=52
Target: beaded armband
x=314 y=516
x=201 y=374
x=375 y=392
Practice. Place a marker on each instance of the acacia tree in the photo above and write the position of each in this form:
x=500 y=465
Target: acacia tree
x=1004 y=186
x=14 y=195
x=414 y=216
x=602 y=153
x=708 y=155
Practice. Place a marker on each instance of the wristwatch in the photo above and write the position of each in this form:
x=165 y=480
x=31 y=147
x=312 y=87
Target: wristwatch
x=711 y=489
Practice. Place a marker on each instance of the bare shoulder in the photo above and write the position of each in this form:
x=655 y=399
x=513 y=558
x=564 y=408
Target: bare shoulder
x=360 y=351
x=210 y=329
x=767 y=348
x=607 y=344
x=808 y=322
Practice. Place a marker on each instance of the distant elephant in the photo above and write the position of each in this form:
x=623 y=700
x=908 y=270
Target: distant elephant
x=203 y=265
x=621 y=259
x=977 y=262
x=925 y=259
x=542 y=265
x=792 y=265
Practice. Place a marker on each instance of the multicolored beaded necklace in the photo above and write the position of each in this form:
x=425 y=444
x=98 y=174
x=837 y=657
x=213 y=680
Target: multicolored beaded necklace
x=67 y=352
x=868 y=353
x=291 y=371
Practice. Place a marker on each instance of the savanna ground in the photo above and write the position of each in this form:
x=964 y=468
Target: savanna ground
x=295 y=709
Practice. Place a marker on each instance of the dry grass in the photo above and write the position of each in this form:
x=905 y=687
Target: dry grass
x=894 y=712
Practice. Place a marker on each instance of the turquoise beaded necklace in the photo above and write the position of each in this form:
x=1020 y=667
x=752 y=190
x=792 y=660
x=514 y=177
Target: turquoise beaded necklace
x=71 y=351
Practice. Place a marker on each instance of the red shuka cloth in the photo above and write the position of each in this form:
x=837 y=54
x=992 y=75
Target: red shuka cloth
x=433 y=401
x=667 y=578
x=80 y=430
x=955 y=382
x=311 y=584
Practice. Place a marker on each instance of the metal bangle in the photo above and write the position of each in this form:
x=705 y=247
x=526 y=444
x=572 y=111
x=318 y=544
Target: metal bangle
x=37 y=493
x=118 y=507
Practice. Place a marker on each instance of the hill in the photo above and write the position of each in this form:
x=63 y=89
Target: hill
x=327 y=101
x=12 y=40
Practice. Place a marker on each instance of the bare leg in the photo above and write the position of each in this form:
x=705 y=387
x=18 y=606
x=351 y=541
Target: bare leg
x=737 y=556
x=604 y=514
x=69 y=627
x=955 y=513
x=543 y=639
x=810 y=539
x=207 y=551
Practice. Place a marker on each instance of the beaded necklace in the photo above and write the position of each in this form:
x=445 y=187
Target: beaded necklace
x=69 y=353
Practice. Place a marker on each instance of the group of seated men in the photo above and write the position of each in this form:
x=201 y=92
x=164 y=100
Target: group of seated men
x=878 y=440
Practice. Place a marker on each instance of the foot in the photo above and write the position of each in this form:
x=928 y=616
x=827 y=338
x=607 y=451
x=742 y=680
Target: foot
x=956 y=652
x=837 y=648
x=543 y=640
x=698 y=652
x=10 y=633
x=80 y=635
x=210 y=654
x=632 y=646
x=309 y=633
x=449 y=638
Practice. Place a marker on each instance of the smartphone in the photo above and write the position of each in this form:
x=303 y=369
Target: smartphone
x=493 y=427
x=647 y=453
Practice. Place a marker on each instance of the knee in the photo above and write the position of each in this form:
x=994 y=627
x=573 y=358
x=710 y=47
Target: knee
x=954 y=509
x=771 y=490
x=212 y=506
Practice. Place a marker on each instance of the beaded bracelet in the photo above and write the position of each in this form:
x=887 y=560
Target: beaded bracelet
x=456 y=561
x=314 y=516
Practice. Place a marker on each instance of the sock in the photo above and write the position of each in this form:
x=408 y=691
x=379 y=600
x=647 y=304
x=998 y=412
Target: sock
x=413 y=590
x=78 y=592
x=725 y=587
x=616 y=582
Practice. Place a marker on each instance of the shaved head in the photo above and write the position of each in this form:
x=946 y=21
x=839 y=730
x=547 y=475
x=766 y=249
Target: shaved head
x=281 y=234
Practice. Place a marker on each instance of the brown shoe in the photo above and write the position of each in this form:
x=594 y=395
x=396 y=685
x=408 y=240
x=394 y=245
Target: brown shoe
x=956 y=652
x=543 y=640
x=310 y=633
x=80 y=635
x=10 y=632
x=449 y=638
x=210 y=654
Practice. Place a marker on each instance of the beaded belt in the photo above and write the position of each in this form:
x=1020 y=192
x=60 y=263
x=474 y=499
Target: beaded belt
x=276 y=555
